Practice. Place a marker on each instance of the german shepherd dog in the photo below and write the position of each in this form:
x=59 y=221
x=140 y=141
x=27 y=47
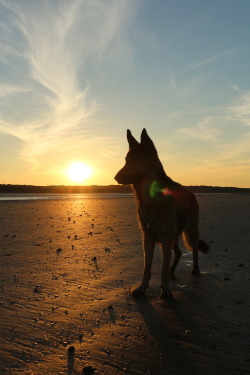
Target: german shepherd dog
x=165 y=210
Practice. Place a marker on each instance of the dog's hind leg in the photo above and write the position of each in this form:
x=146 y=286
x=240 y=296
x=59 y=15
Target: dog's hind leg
x=177 y=256
x=149 y=245
x=165 y=276
x=191 y=237
x=195 y=270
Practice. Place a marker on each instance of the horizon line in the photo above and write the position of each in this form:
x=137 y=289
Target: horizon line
x=114 y=185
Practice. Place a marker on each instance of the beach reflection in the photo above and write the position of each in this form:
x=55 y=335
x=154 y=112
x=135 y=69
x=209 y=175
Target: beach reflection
x=67 y=268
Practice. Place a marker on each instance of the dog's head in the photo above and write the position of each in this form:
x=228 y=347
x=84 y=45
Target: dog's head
x=139 y=159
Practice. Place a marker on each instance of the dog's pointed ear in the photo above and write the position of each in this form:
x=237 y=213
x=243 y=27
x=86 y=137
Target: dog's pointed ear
x=147 y=141
x=131 y=140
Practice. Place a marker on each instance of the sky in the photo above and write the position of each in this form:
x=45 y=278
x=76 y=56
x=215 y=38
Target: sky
x=75 y=75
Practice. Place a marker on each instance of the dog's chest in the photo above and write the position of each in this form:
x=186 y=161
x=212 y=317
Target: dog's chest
x=156 y=221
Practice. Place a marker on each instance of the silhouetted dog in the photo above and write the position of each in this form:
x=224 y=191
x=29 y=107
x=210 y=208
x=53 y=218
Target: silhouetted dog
x=165 y=210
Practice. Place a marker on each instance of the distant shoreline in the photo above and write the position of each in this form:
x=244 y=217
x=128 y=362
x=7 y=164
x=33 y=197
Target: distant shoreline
x=119 y=189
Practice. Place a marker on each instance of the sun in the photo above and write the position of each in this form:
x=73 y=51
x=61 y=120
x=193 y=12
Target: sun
x=79 y=172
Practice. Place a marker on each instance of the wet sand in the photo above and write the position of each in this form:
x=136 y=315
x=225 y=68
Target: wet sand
x=66 y=271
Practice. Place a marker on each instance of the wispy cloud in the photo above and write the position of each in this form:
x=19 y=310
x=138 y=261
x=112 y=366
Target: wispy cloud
x=221 y=162
x=184 y=90
x=211 y=59
x=240 y=110
x=45 y=48
x=203 y=131
x=235 y=87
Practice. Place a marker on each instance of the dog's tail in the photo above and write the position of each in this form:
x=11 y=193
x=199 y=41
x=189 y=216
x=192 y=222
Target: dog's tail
x=202 y=245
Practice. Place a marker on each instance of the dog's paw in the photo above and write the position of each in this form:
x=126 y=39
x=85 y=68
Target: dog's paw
x=195 y=272
x=138 y=291
x=166 y=294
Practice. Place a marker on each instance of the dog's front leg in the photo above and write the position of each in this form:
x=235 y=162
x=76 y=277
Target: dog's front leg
x=165 y=276
x=148 y=246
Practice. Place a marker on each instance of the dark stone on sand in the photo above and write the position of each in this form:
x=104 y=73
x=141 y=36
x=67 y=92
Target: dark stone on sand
x=88 y=370
x=80 y=338
x=38 y=289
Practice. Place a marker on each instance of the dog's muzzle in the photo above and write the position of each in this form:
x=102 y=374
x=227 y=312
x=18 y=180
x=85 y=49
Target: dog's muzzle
x=120 y=177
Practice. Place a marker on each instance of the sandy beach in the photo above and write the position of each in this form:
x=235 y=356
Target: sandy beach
x=66 y=271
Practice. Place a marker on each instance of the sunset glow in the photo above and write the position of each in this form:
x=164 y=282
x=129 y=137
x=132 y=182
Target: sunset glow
x=79 y=172
x=74 y=78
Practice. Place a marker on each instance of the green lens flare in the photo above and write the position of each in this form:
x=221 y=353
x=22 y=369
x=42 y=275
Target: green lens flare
x=154 y=189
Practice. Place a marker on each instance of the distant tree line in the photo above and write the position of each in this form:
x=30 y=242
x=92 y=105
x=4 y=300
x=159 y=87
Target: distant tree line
x=62 y=189
x=120 y=189
x=217 y=189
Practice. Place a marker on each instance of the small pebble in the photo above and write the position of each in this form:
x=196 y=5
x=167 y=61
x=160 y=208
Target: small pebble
x=38 y=289
x=88 y=370
x=80 y=338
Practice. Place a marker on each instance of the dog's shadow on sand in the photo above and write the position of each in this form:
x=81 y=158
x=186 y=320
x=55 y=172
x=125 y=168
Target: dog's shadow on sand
x=160 y=328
